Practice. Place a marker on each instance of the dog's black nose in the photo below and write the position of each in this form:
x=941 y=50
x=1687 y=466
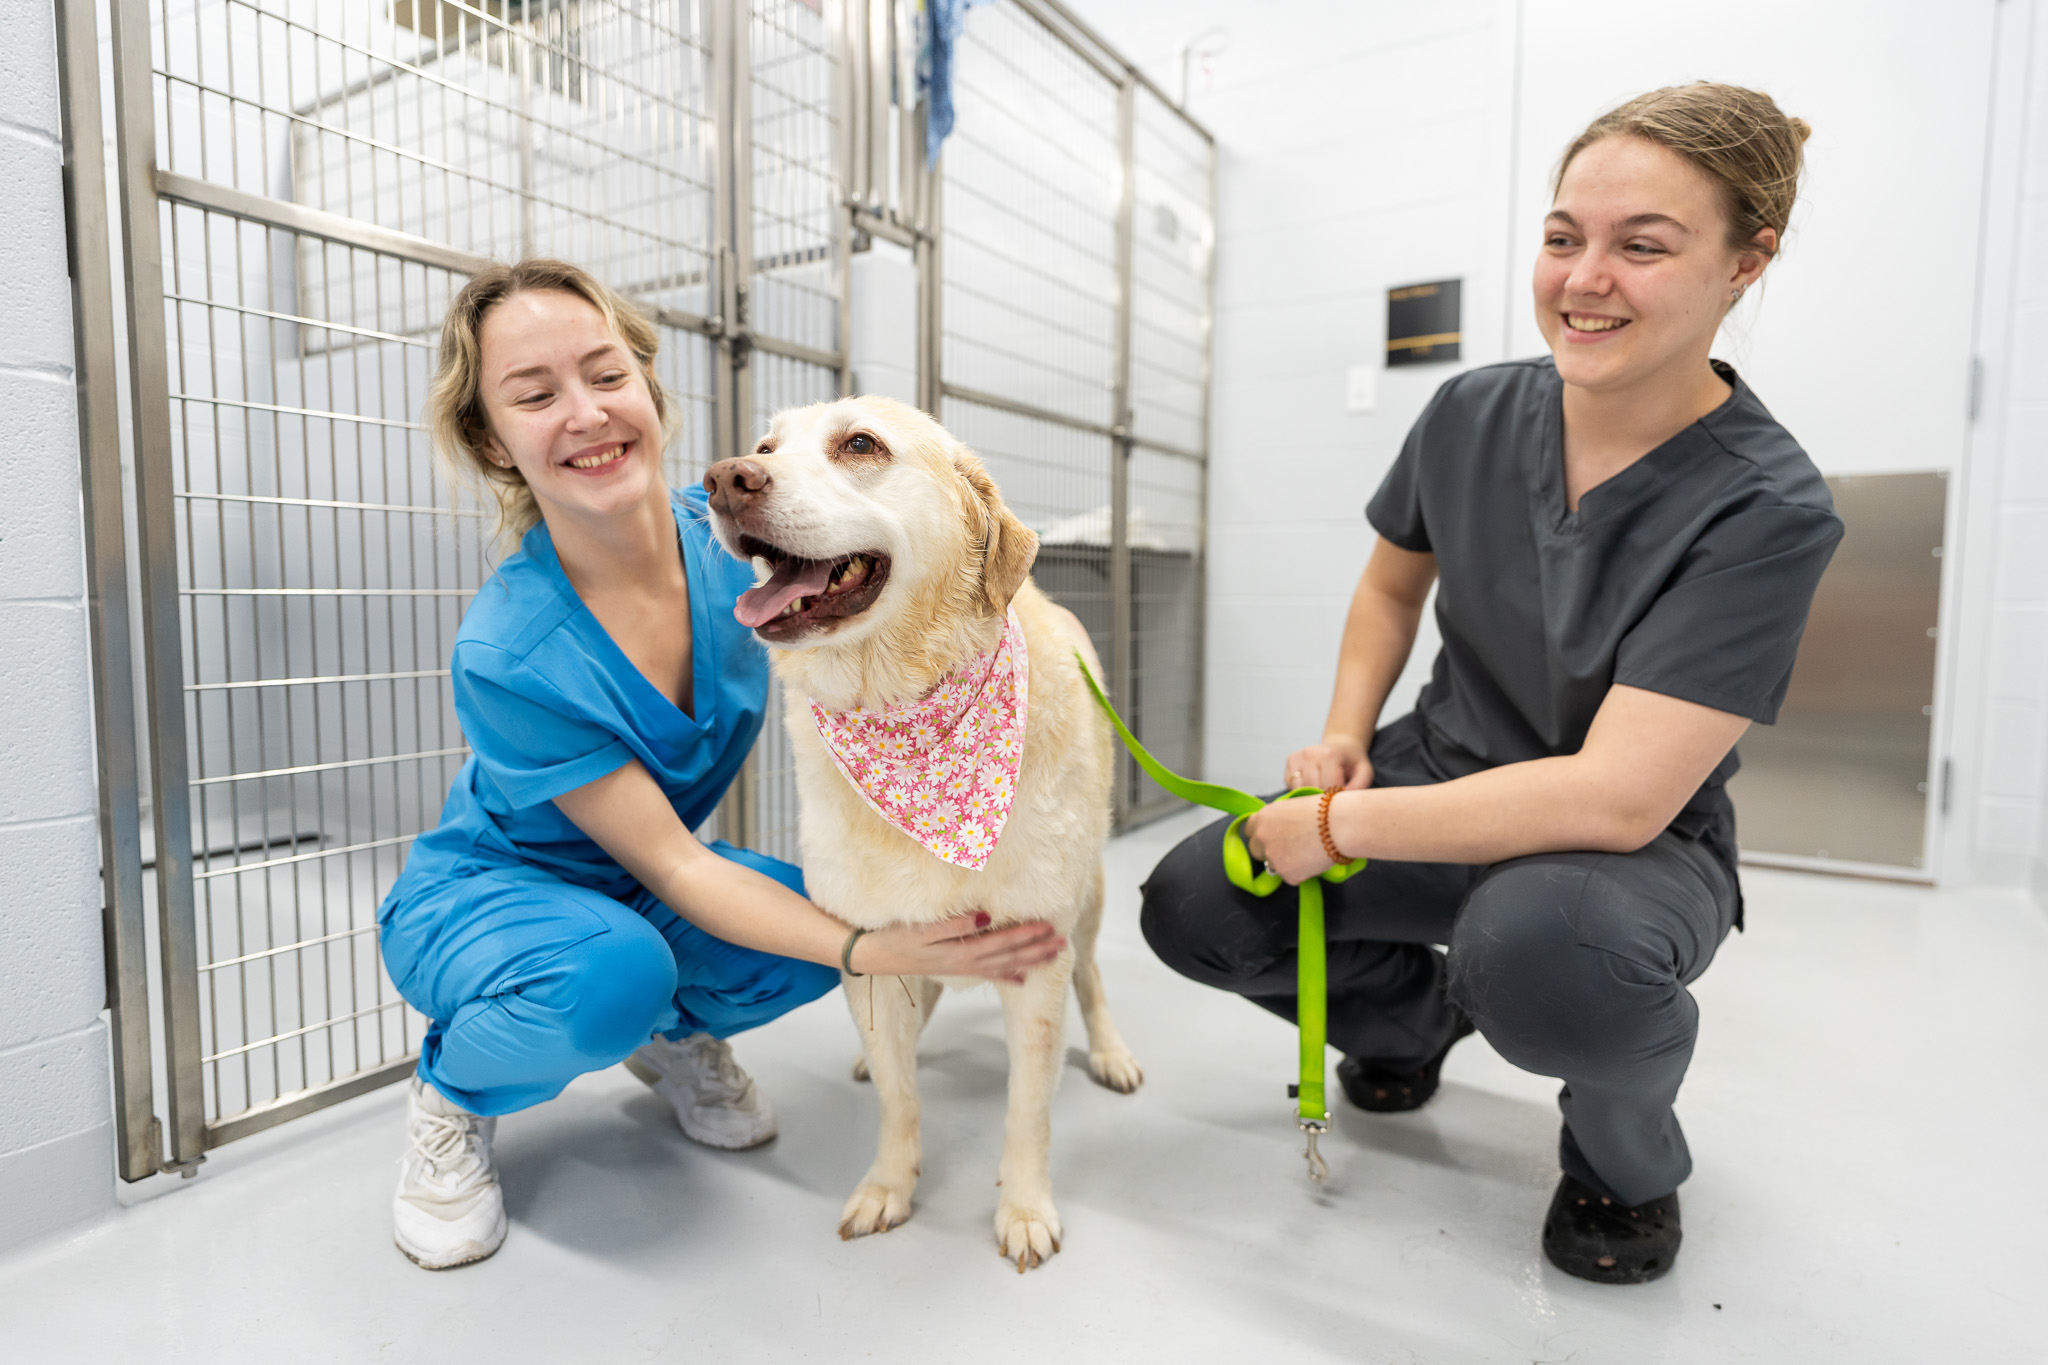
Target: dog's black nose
x=733 y=485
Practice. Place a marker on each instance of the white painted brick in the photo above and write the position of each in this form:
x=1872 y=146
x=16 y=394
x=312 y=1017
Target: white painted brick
x=2023 y=555
x=41 y=531
x=1291 y=103
x=51 y=978
x=28 y=67
x=2019 y=655
x=2029 y=378
x=55 y=1087
x=2006 y=827
x=35 y=289
x=1387 y=169
x=56 y=1186
x=2012 y=751
x=1282 y=704
x=1311 y=623
x=2024 y=477
x=1277 y=559
x=2030 y=277
x=45 y=725
x=1307 y=466
x=1246 y=764
x=1309 y=254
x=1274 y=338
x=2037 y=134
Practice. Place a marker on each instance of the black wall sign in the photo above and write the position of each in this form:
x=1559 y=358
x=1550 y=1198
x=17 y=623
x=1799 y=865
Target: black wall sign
x=1422 y=323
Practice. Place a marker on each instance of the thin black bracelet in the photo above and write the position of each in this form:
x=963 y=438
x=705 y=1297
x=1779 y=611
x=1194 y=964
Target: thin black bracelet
x=846 y=953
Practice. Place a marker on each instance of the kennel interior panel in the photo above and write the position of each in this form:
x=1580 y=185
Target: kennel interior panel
x=326 y=177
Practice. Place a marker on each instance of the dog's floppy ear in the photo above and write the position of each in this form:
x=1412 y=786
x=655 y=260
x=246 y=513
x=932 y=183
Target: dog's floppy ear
x=1008 y=545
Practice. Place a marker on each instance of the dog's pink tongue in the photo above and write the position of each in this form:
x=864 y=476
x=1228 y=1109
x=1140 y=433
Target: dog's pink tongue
x=793 y=578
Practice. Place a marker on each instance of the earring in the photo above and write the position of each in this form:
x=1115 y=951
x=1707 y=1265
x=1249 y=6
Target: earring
x=1735 y=294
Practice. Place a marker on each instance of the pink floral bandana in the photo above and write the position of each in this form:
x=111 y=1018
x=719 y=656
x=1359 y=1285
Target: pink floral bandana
x=943 y=769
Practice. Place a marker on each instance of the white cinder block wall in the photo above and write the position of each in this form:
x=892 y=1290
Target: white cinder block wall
x=2000 y=681
x=56 y=1135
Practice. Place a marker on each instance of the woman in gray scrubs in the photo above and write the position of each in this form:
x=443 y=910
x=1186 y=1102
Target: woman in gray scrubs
x=1625 y=545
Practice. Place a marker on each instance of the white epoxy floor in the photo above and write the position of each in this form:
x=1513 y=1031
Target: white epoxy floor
x=1866 y=1111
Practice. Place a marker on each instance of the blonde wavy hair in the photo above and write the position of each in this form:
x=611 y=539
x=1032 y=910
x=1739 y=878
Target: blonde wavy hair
x=1739 y=138
x=455 y=406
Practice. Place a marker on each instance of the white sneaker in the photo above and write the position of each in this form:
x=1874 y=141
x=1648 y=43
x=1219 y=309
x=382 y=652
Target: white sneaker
x=448 y=1210
x=714 y=1100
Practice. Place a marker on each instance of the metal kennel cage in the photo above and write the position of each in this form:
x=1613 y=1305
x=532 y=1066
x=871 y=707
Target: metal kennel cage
x=271 y=205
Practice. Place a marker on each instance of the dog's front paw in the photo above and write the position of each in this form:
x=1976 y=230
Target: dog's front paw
x=1027 y=1233
x=1117 y=1069
x=875 y=1207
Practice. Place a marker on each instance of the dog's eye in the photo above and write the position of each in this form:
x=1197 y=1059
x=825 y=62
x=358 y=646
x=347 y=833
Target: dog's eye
x=860 y=443
x=765 y=448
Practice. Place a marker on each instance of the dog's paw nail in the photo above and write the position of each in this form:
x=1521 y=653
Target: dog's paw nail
x=1118 y=1071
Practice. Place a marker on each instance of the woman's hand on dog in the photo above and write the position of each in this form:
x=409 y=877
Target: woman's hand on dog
x=1284 y=837
x=1337 y=763
x=961 y=946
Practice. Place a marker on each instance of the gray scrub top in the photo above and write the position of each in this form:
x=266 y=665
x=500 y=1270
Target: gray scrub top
x=1689 y=573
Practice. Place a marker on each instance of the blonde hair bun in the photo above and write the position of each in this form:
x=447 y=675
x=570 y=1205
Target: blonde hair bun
x=1739 y=138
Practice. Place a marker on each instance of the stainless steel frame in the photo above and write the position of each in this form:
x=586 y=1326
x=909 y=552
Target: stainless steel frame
x=106 y=562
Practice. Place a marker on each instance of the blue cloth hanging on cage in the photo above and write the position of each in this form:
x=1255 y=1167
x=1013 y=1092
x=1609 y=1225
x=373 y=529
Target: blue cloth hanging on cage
x=939 y=25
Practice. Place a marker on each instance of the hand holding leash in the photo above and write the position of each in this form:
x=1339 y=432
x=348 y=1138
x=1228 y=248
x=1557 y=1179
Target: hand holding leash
x=1333 y=763
x=1287 y=837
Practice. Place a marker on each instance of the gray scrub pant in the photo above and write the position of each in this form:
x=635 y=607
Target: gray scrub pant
x=1572 y=965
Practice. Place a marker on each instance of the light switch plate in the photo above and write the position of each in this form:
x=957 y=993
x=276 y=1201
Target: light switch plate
x=1361 y=388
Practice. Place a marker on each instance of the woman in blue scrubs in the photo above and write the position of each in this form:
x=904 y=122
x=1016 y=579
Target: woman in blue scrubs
x=562 y=918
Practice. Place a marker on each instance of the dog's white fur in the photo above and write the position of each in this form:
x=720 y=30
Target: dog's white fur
x=957 y=558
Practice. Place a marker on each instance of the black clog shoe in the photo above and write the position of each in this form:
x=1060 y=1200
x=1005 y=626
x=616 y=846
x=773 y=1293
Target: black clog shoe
x=1381 y=1089
x=1589 y=1235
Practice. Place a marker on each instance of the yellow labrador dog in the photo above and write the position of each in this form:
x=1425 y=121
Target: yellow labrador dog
x=888 y=566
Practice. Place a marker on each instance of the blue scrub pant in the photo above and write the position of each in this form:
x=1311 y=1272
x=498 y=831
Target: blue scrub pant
x=531 y=981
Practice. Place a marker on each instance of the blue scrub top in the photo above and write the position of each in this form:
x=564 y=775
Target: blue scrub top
x=548 y=703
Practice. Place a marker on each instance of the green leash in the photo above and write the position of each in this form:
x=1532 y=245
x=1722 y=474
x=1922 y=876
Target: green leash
x=1312 y=1114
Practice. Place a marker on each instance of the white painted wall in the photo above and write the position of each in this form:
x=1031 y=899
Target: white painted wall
x=56 y=1134
x=1370 y=143
x=1996 y=687
x=1359 y=146
x=1859 y=339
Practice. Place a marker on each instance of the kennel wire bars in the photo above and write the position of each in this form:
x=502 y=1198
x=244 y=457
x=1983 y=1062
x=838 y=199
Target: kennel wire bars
x=1075 y=247
x=276 y=567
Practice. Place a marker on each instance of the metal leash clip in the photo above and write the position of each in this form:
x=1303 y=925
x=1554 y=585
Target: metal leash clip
x=1318 y=1169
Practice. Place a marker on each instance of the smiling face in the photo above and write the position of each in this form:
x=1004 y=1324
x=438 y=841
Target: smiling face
x=569 y=406
x=1636 y=270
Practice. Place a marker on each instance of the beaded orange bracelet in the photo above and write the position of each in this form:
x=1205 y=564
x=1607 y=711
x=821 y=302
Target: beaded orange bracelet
x=1323 y=827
